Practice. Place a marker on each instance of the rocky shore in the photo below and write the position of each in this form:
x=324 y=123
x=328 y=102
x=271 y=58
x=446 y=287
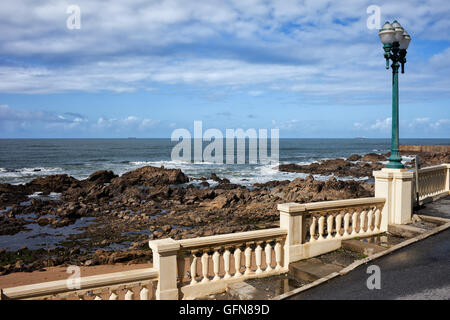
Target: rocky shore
x=116 y=216
x=357 y=166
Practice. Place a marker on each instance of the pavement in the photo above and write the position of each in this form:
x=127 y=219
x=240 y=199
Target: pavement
x=418 y=271
x=440 y=208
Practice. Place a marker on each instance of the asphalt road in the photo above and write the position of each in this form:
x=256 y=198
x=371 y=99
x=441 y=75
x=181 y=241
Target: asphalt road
x=418 y=271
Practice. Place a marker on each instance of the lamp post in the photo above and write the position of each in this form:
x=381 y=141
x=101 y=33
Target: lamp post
x=395 y=42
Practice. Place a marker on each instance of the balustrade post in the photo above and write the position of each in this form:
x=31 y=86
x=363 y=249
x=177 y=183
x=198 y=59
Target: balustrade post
x=447 y=177
x=395 y=185
x=165 y=261
x=292 y=219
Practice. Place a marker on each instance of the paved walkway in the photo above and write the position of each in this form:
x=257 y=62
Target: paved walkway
x=419 y=271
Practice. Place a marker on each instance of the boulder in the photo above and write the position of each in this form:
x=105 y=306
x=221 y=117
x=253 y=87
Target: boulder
x=373 y=157
x=151 y=176
x=102 y=176
x=354 y=157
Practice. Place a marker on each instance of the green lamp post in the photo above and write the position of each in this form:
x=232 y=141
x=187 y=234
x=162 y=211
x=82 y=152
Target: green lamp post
x=395 y=40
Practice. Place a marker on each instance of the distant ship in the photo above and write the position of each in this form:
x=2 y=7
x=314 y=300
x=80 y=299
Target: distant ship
x=360 y=138
x=131 y=138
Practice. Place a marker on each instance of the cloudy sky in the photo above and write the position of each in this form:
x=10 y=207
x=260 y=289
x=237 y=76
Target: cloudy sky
x=146 y=67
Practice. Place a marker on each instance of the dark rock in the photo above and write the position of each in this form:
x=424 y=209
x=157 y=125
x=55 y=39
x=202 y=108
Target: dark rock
x=354 y=157
x=373 y=157
x=54 y=183
x=102 y=176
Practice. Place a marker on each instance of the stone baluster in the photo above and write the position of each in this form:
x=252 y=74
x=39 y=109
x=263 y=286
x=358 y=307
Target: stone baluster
x=113 y=296
x=258 y=258
x=346 y=224
x=226 y=263
x=216 y=260
x=321 y=227
x=143 y=295
x=237 y=262
x=369 y=221
x=205 y=267
x=129 y=295
x=377 y=220
x=362 y=221
x=330 y=219
x=194 y=268
x=268 y=252
x=278 y=254
x=354 y=223
x=248 y=259
x=338 y=225
x=312 y=229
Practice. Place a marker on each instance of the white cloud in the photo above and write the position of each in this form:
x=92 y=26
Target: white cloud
x=16 y=119
x=382 y=125
x=314 y=48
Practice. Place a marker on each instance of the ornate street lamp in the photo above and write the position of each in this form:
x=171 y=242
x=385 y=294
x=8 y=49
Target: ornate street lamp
x=395 y=40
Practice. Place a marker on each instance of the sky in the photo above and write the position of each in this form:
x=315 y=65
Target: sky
x=312 y=69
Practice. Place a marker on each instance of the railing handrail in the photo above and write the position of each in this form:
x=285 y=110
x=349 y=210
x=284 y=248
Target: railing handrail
x=90 y=282
x=231 y=238
x=433 y=168
x=334 y=204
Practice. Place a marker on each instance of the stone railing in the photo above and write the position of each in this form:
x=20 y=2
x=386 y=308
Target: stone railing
x=317 y=228
x=126 y=285
x=433 y=182
x=214 y=262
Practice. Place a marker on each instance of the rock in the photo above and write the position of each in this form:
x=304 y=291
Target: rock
x=214 y=177
x=43 y=221
x=373 y=157
x=54 y=183
x=19 y=265
x=204 y=184
x=218 y=203
x=102 y=176
x=151 y=176
x=354 y=157
x=337 y=167
x=63 y=222
x=166 y=228
x=89 y=262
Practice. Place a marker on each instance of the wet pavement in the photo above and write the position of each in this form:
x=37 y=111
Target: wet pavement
x=440 y=208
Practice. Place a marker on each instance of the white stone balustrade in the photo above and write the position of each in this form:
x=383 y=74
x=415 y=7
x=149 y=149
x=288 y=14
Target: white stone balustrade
x=207 y=264
x=111 y=286
x=319 y=227
x=433 y=181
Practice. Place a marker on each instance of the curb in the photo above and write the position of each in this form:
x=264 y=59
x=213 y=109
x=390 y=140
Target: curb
x=363 y=261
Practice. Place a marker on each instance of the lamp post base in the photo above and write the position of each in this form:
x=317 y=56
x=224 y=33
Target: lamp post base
x=395 y=165
x=395 y=162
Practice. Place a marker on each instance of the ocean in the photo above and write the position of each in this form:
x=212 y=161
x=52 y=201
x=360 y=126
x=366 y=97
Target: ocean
x=22 y=160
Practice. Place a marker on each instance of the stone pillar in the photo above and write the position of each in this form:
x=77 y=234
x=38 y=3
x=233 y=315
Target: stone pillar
x=291 y=219
x=165 y=261
x=395 y=185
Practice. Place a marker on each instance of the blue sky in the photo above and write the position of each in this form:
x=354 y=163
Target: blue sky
x=144 y=68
